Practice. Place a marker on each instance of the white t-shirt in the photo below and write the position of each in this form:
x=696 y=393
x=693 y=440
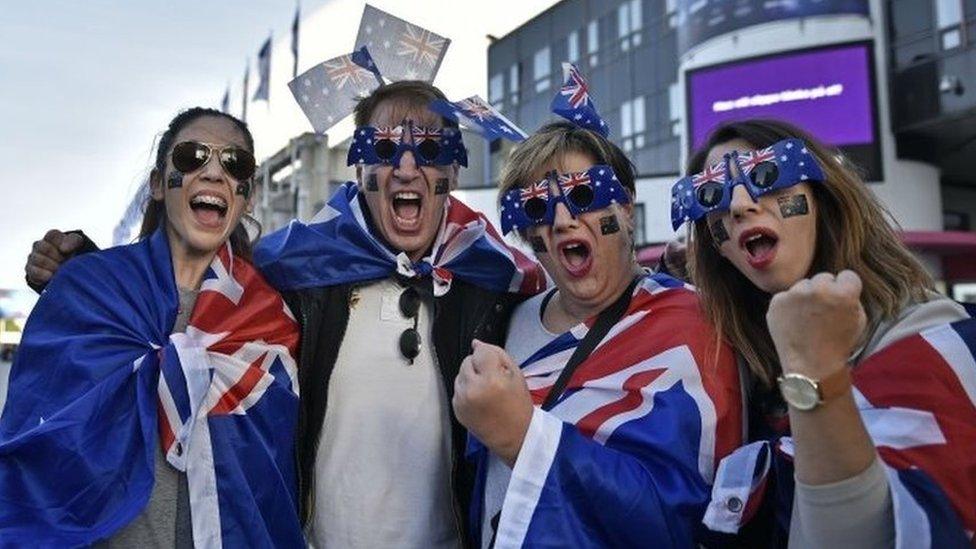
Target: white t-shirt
x=526 y=335
x=383 y=467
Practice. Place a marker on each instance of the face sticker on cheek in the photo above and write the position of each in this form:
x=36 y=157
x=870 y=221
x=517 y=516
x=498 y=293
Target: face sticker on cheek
x=244 y=189
x=795 y=204
x=372 y=185
x=538 y=245
x=719 y=233
x=175 y=180
x=442 y=185
x=609 y=225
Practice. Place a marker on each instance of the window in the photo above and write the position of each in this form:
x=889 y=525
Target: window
x=640 y=232
x=542 y=70
x=948 y=15
x=513 y=84
x=593 y=41
x=633 y=124
x=629 y=23
x=572 y=47
x=496 y=90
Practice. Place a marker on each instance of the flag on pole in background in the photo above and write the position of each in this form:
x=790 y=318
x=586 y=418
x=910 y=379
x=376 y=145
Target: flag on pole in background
x=294 y=40
x=247 y=74
x=328 y=91
x=264 y=71
x=402 y=51
x=225 y=102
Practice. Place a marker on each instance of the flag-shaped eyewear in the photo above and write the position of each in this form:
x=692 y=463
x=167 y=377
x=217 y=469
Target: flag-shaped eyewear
x=784 y=164
x=581 y=192
x=386 y=145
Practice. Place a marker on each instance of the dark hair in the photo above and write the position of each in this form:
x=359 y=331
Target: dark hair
x=853 y=232
x=155 y=210
x=408 y=94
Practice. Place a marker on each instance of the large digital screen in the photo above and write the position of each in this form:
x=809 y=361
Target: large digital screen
x=700 y=20
x=828 y=91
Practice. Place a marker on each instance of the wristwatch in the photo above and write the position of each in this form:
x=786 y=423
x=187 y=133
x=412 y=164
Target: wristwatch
x=805 y=393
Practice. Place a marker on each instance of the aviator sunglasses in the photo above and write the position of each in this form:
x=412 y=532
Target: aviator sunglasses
x=410 y=338
x=581 y=192
x=386 y=144
x=783 y=164
x=190 y=156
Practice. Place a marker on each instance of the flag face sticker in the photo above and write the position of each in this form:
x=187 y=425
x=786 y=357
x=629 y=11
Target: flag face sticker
x=403 y=51
x=328 y=91
x=476 y=114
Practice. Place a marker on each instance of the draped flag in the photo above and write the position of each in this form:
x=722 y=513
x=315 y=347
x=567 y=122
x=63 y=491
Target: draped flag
x=475 y=113
x=100 y=383
x=917 y=398
x=328 y=91
x=403 y=51
x=626 y=456
x=574 y=102
x=336 y=247
x=264 y=71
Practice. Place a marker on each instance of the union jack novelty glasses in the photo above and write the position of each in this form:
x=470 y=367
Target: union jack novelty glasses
x=784 y=164
x=386 y=144
x=581 y=192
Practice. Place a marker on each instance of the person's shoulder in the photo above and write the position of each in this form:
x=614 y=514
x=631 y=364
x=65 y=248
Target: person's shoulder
x=117 y=263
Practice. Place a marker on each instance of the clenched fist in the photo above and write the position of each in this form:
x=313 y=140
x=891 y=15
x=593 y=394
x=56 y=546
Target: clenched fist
x=492 y=400
x=817 y=323
x=48 y=254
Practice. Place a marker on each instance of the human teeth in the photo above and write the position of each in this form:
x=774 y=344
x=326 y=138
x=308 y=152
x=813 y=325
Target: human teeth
x=407 y=196
x=755 y=237
x=209 y=199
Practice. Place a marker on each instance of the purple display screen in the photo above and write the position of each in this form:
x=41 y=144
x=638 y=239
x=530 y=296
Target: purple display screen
x=828 y=92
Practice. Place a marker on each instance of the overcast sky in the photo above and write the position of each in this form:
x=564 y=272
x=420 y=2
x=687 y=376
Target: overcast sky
x=86 y=86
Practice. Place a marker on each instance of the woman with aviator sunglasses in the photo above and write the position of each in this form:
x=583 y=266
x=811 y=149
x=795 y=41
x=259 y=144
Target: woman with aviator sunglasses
x=154 y=399
x=600 y=422
x=861 y=396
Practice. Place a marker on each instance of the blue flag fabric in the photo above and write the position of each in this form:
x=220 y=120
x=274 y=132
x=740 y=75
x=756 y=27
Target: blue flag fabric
x=264 y=71
x=475 y=113
x=336 y=247
x=99 y=382
x=574 y=103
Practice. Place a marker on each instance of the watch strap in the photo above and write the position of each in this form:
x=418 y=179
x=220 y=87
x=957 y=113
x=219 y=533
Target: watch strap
x=834 y=385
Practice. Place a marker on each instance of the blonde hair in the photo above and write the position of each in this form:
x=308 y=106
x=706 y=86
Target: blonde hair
x=853 y=232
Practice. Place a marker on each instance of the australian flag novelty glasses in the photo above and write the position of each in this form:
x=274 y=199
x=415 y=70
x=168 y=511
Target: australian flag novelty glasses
x=581 y=192
x=386 y=144
x=784 y=164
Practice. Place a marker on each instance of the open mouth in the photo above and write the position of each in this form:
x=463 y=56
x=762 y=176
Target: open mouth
x=760 y=246
x=576 y=257
x=209 y=210
x=407 y=206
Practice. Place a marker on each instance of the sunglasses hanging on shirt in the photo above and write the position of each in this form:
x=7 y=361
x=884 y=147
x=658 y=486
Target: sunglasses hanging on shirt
x=190 y=156
x=783 y=164
x=410 y=340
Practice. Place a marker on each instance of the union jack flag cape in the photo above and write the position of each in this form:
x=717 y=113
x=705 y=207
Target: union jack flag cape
x=337 y=247
x=626 y=456
x=917 y=398
x=100 y=380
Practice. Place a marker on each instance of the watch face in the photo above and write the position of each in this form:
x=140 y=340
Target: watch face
x=799 y=391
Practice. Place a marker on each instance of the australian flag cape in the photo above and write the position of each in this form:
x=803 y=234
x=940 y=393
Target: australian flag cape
x=626 y=456
x=917 y=398
x=100 y=382
x=337 y=247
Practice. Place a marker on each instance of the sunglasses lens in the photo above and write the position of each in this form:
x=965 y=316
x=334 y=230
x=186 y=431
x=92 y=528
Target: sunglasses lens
x=535 y=208
x=581 y=196
x=409 y=302
x=238 y=163
x=410 y=343
x=710 y=194
x=189 y=156
x=429 y=150
x=385 y=149
x=764 y=175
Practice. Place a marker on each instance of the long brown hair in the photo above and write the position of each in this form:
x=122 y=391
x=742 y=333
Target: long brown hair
x=155 y=210
x=853 y=232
